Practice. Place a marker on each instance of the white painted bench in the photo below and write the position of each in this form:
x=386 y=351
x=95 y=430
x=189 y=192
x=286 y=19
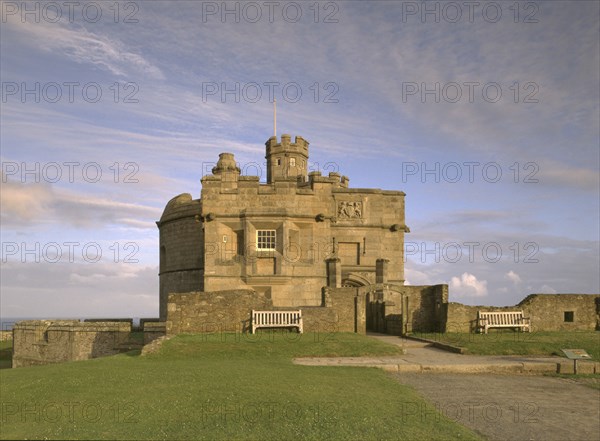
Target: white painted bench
x=502 y=319
x=277 y=319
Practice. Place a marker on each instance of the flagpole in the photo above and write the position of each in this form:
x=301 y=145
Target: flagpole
x=275 y=118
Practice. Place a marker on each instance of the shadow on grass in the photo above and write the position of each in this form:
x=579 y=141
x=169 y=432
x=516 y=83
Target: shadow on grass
x=6 y=358
x=134 y=353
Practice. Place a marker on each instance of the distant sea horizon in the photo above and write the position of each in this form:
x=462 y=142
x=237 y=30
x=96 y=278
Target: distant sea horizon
x=6 y=323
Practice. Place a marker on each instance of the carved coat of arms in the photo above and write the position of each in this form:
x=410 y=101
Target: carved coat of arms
x=350 y=210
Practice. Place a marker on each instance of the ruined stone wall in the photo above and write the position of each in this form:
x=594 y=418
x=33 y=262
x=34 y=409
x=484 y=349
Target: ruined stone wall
x=38 y=342
x=546 y=311
x=6 y=335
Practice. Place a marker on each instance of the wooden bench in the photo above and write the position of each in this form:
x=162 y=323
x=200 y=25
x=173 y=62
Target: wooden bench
x=277 y=319
x=502 y=319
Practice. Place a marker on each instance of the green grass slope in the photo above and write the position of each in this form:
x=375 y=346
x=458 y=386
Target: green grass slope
x=221 y=387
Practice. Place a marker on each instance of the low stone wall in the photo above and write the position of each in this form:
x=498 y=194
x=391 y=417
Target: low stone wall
x=39 y=342
x=319 y=319
x=6 y=335
x=350 y=309
x=549 y=312
x=425 y=307
x=153 y=330
x=546 y=311
x=218 y=311
x=463 y=318
x=222 y=311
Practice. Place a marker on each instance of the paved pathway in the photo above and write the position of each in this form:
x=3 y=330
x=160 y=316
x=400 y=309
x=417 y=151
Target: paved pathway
x=469 y=390
x=419 y=357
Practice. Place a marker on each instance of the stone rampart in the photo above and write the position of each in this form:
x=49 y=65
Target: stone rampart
x=547 y=312
x=38 y=342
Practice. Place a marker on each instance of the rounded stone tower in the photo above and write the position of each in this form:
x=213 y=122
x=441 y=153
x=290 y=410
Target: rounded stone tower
x=181 y=248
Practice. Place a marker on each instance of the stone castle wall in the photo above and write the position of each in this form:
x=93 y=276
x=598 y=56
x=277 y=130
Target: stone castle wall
x=38 y=342
x=230 y=311
x=200 y=312
x=546 y=311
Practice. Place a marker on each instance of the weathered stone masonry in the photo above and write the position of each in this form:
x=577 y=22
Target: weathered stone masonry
x=38 y=342
x=548 y=312
x=285 y=239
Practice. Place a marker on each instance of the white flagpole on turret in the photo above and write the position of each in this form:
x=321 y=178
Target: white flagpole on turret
x=275 y=117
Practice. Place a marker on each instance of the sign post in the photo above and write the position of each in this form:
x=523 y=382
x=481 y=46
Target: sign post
x=576 y=354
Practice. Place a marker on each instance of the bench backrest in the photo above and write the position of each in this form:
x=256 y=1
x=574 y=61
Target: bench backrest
x=502 y=317
x=276 y=317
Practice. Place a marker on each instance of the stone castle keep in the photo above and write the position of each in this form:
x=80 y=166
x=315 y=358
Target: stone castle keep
x=286 y=238
x=298 y=242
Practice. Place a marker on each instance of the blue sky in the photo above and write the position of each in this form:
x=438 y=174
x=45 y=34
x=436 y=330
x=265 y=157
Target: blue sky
x=432 y=103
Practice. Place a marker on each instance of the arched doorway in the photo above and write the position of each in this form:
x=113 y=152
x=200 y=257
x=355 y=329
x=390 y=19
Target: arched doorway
x=385 y=309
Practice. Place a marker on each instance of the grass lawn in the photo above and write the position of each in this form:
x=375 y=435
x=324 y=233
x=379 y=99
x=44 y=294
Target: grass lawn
x=509 y=342
x=221 y=387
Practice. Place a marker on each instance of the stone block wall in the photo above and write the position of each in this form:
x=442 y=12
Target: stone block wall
x=38 y=342
x=463 y=318
x=153 y=330
x=6 y=335
x=424 y=307
x=546 y=311
x=398 y=309
x=350 y=308
x=319 y=319
x=201 y=312
x=222 y=311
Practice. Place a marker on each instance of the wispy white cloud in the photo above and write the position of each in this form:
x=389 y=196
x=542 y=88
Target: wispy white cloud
x=78 y=44
x=40 y=203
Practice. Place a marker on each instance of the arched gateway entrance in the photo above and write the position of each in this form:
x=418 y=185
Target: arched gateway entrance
x=386 y=305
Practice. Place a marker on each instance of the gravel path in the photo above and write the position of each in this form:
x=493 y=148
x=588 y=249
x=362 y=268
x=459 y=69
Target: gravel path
x=511 y=407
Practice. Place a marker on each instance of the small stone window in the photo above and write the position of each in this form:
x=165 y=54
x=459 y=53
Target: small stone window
x=569 y=316
x=292 y=162
x=278 y=161
x=265 y=239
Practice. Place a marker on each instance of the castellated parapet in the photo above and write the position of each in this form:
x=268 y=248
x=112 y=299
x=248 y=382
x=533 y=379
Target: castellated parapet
x=286 y=159
x=275 y=238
